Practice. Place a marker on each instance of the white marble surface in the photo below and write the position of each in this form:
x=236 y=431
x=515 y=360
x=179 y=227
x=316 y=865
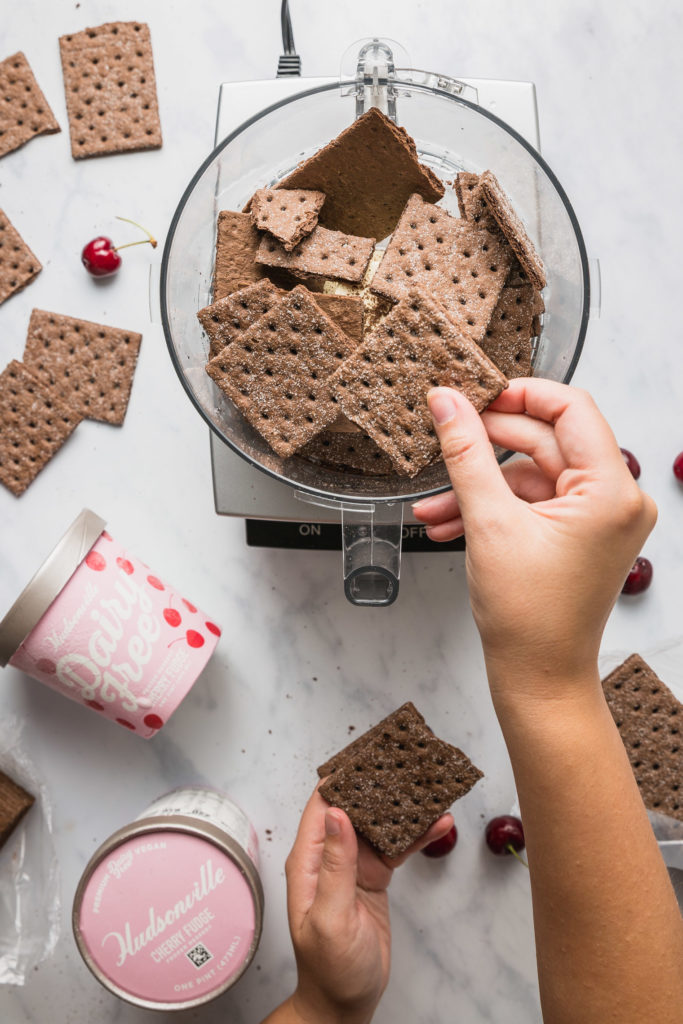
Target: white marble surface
x=297 y=665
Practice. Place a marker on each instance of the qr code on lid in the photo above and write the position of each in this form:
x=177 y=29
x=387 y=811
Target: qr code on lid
x=199 y=955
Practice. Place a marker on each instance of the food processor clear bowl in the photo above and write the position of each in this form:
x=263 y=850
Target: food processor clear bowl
x=451 y=134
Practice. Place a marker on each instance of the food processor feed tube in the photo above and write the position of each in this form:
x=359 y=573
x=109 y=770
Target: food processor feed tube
x=371 y=548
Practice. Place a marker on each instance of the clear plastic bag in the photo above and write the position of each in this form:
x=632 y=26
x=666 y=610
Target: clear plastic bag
x=29 y=873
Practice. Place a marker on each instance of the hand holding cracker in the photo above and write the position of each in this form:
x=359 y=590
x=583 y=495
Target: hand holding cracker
x=550 y=538
x=339 y=917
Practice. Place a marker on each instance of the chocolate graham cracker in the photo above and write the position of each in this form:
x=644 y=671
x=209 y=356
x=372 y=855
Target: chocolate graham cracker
x=287 y=214
x=15 y=802
x=367 y=174
x=513 y=229
x=462 y=266
x=650 y=721
x=237 y=242
x=18 y=265
x=507 y=339
x=395 y=780
x=110 y=88
x=383 y=386
x=323 y=253
x=34 y=424
x=347 y=311
x=473 y=207
x=24 y=111
x=346 y=450
x=88 y=366
x=277 y=372
x=225 y=319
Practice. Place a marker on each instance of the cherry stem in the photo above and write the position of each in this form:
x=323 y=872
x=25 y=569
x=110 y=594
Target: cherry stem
x=514 y=853
x=150 y=238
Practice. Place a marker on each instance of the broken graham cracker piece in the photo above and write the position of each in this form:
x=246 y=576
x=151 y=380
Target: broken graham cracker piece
x=88 y=366
x=396 y=780
x=507 y=339
x=18 y=265
x=24 y=111
x=510 y=224
x=347 y=311
x=34 y=424
x=15 y=802
x=225 y=319
x=367 y=174
x=277 y=373
x=323 y=253
x=462 y=266
x=287 y=214
x=348 y=450
x=650 y=721
x=383 y=386
x=110 y=88
x=237 y=242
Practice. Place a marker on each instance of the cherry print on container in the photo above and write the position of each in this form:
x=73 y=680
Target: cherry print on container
x=172 y=615
x=213 y=628
x=155 y=582
x=192 y=637
x=190 y=607
x=95 y=561
x=125 y=566
x=153 y=721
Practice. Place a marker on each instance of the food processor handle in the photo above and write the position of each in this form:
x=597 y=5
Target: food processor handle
x=371 y=544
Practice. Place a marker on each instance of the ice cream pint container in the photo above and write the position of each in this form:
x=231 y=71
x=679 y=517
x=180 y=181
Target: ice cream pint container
x=96 y=624
x=168 y=913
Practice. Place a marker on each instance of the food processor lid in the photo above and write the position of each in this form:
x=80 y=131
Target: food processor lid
x=48 y=582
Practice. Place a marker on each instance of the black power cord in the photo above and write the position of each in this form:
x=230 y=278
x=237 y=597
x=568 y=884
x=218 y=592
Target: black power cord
x=289 y=64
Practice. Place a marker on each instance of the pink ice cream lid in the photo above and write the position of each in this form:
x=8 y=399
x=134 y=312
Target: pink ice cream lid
x=166 y=918
x=48 y=582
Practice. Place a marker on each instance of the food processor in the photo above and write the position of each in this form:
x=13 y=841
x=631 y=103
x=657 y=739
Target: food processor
x=456 y=126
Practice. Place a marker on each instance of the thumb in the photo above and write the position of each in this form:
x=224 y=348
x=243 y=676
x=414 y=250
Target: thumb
x=336 y=892
x=478 y=483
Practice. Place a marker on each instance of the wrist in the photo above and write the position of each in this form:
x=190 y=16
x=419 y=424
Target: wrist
x=313 y=1007
x=528 y=690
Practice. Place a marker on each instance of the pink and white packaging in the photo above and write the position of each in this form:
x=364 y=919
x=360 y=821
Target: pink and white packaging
x=116 y=637
x=168 y=913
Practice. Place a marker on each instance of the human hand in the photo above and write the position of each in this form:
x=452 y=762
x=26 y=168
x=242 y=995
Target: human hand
x=550 y=539
x=339 y=915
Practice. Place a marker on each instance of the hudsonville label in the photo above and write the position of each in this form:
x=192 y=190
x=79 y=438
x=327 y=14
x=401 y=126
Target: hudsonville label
x=129 y=941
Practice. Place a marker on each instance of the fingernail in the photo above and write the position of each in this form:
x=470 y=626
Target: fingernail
x=332 y=826
x=441 y=405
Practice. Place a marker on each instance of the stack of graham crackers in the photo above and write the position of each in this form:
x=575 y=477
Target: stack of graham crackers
x=450 y=301
x=71 y=370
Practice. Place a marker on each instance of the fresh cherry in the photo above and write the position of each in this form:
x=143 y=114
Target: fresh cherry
x=505 y=835
x=639 y=578
x=100 y=257
x=678 y=467
x=632 y=462
x=440 y=847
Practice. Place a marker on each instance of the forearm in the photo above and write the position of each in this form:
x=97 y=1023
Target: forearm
x=609 y=934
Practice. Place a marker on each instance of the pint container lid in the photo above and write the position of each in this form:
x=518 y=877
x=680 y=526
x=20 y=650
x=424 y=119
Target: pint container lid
x=48 y=582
